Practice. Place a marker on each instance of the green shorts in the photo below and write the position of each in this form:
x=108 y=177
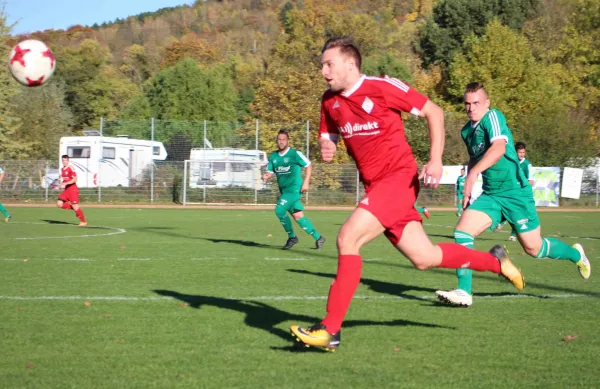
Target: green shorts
x=290 y=202
x=516 y=206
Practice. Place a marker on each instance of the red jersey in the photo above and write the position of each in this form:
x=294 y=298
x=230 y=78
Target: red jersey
x=67 y=174
x=368 y=119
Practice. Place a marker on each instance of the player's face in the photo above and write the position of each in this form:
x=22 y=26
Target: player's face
x=476 y=105
x=282 y=142
x=65 y=162
x=521 y=153
x=336 y=67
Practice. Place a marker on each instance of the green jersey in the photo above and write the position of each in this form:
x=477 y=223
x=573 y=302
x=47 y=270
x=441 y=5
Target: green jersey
x=505 y=174
x=287 y=167
x=527 y=169
x=460 y=185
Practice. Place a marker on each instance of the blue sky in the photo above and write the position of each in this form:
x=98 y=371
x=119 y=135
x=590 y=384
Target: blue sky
x=36 y=15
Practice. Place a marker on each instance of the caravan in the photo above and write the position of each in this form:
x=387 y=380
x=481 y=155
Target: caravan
x=110 y=161
x=226 y=167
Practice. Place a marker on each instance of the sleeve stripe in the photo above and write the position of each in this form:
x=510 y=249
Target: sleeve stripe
x=495 y=124
x=303 y=157
x=394 y=81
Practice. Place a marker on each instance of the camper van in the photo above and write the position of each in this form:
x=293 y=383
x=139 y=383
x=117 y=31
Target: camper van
x=226 y=167
x=109 y=161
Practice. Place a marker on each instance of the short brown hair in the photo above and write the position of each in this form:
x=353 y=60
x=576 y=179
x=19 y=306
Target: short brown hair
x=473 y=87
x=347 y=47
x=65 y=156
x=284 y=132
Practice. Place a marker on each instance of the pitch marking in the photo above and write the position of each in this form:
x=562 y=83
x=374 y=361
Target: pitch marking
x=116 y=231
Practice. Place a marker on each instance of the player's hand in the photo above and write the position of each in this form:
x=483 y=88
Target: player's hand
x=328 y=149
x=431 y=174
x=304 y=188
x=62 y=186
x=265 y=177
x=468 y=189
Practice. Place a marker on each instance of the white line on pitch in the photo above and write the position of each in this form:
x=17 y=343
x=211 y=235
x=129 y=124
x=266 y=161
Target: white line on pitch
x=134 y=259
x=282 y=298
x=116 y=231
x=211 y=258
x=46 y=259
x=287 y=259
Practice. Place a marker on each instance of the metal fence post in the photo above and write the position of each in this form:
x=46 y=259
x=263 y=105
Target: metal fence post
x=597 y=183
x=256 y=147
x=307 y=149
x=204 y=163
x=100 y=162
x=46 y=179
x=152 y=164
x=185 y=181
x=357 y=186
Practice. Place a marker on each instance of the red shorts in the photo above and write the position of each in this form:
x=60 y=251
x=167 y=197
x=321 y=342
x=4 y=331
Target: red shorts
x=392 y=201
x=70 y=194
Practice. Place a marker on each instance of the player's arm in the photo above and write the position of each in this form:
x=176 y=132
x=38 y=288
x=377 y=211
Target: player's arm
x=328 y=134
x=401 y=97
x=269 y=173
x=1 y=177
x=529 y=169
x=306 y=179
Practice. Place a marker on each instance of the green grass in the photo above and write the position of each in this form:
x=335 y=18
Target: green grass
x=225 y=324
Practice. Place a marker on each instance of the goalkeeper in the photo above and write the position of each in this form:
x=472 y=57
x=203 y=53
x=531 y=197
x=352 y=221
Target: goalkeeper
x=286 y=164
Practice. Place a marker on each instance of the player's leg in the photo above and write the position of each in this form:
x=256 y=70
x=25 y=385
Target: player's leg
x=459 y=210
x=306 y=224
x=482 y=214
x=535 y=245
x=522 y=214
x=5 y=213
x=416 y=246
x=74 y=200
x=284 y=204
x=513 y=235
x=360 y=228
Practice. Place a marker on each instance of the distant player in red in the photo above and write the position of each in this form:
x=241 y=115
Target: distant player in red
x=365 y=112
x=69 y=198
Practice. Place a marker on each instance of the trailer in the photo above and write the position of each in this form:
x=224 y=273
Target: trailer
x=225 y=167
x=110 y=161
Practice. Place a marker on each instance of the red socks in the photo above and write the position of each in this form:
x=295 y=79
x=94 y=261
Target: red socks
x=79 y=214
x=342 y=290
x=456 y=256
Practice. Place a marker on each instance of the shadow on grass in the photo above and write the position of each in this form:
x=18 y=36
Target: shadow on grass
x=265 y=317
x=390 y=288
x=240 y=242
x=62 y=223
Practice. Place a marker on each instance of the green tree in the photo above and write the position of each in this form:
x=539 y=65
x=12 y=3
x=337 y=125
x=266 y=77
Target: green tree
x=10 y=147
x=535 y=104
x=45 y=119
x=453 y=21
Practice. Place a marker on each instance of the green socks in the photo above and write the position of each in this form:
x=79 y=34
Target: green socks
x=555 y=249
x=4 y=211
x=308 y=227
x=465 y=276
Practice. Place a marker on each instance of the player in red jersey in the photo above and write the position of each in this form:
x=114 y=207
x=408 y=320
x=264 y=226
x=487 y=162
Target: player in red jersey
x=365 y=112
x=69 y=198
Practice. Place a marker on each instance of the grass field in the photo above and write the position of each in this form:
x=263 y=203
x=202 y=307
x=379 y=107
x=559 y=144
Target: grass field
x=149 y=298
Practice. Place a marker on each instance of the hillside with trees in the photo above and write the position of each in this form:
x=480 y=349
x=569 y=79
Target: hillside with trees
x=232 y=62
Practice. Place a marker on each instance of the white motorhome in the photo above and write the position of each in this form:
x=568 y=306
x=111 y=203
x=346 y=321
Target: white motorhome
x=110 y=161
x=226 y=167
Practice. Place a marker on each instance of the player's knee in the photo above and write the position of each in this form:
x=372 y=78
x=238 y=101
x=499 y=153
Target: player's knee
x=59 y=204
x=532 y=250
x=280 y=212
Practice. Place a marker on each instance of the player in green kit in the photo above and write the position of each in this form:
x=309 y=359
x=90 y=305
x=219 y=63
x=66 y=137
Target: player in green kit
x=507 y=194
x=286 y=163
x=2 y=209
x=527 y=169
x=460 y=185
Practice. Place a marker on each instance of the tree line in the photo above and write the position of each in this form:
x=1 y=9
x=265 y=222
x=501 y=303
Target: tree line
x=240 y=60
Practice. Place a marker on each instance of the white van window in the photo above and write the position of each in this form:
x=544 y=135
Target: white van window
x=78 y=151
x=155 y=150
x=109 y=152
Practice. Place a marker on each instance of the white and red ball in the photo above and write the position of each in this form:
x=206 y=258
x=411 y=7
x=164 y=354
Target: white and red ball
x=31 y=62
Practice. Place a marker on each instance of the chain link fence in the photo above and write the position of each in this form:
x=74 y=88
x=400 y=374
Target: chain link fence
x=144 y=161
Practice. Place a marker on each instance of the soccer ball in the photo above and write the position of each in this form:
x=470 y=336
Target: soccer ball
x=31 y=62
